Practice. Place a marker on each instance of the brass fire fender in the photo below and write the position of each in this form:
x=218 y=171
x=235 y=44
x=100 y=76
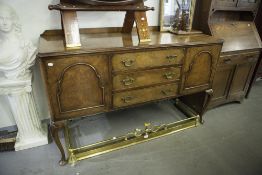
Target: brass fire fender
x=132 y=138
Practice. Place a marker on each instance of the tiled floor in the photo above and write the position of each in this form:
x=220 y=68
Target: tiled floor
x=230 y=142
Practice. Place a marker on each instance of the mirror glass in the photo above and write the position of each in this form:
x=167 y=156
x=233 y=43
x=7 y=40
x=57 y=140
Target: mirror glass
x=176 y=15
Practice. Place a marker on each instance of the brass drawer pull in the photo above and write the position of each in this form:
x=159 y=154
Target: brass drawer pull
x=171 y=58
x=128 y=62
x=167 y=92
x=128 y=81
x=169 y=75
x=127 y=99
x=227 y=61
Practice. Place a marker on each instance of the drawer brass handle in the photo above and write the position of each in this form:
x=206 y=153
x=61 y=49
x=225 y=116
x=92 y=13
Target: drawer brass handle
x=128 y=81
x=227 y=61
x=127 y=99
x=171 y=58
x=169 y=75
x=167 y=92
x=128 y=62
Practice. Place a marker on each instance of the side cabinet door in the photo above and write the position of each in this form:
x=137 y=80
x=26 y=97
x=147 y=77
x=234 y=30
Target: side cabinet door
x=241 y=79
x=221 y=83
x=77 y=85
x=199 y=68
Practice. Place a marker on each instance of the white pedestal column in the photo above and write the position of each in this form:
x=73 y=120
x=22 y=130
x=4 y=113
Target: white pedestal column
x=31 y=133
x=17 y=56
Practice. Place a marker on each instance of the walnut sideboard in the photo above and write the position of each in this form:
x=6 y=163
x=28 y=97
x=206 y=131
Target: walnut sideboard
x=113 y=71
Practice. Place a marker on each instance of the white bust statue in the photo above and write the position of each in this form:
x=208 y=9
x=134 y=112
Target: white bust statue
x=17 y=55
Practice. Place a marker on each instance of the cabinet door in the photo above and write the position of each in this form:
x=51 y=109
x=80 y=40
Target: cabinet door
x=199 y=68
x=225 y=3
x=221 y=84
x=241 y=79
x=77 y=85
x=253 y=4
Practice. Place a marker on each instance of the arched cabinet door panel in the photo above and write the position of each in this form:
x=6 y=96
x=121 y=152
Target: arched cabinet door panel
x=77 y=85
x=199 y=68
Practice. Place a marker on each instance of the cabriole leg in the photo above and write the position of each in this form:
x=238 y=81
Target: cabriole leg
x=208 y=97
x=198 y=102
x=55 y=128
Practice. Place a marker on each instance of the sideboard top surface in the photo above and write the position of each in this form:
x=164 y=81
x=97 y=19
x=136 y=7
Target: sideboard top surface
x=53 y=45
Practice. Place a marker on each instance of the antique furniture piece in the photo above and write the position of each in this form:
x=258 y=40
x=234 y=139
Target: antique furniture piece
x=233 y=22
x=135 y=12
x=188 y=119
x=113 y=71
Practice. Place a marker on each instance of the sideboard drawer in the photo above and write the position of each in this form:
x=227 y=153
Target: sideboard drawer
x=145 y=78
x=128 y=61
x=143 y=95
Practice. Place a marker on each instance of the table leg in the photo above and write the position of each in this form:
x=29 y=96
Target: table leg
x=198 y=102
x=55 y=128
x=208 y=97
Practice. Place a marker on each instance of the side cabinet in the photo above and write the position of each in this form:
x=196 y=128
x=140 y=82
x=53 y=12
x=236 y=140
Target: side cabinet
x=199 y=68
x=76 y=85
x=233 y=77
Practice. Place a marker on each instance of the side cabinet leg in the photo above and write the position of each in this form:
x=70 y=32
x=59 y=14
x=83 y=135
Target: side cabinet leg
x=55 y=127
x=208 y=97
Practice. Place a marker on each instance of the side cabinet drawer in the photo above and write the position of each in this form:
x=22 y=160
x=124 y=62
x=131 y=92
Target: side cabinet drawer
x=239 y=58
x=224 y=3
x=76 y=85
x=248 y=4
x=144 y=95
x=137 y=60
